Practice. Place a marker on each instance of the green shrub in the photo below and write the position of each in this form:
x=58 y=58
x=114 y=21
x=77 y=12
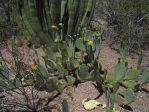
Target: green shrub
x=6 y=20
x=129 y=19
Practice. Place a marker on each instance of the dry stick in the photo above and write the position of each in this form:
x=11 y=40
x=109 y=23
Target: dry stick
x=33 y=98
x=16 y=98
x=24 y=92
x=52 y=98
x=143 y=17
x=21 y=90
x=20 y=105
x=17 y=101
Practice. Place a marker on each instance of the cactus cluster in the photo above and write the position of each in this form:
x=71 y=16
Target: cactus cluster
x=123 y=77
x=36 y=16
x=66 y=66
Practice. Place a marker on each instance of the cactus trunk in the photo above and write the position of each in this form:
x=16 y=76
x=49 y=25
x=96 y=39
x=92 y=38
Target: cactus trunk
x=38 y=15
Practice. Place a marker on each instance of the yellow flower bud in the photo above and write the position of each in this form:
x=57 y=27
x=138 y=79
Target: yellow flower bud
x=61 y=25
x=90 y=43
x=56 y=40
x=34 y=67
x=54 y=27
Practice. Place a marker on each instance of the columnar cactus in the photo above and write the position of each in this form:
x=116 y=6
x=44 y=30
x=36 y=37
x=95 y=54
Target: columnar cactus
x=38 y=15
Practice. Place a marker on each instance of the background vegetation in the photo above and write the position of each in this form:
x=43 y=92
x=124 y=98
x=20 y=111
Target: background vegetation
x=128 y=18
x=73 y=55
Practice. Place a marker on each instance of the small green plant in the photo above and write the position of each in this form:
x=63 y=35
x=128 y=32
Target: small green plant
x=126 y=78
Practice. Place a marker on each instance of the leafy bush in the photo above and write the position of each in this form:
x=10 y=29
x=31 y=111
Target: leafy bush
x=6 y=22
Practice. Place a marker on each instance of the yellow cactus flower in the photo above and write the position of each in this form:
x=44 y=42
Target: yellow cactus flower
x=57 y=40
x=34 y=67
x=54 y=27
x=90 y=43
x=61 y=25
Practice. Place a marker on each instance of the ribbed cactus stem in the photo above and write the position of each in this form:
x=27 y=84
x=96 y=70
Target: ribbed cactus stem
x=63 y=8
x=88 y=12
x=38 y=16
x=72 y=11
